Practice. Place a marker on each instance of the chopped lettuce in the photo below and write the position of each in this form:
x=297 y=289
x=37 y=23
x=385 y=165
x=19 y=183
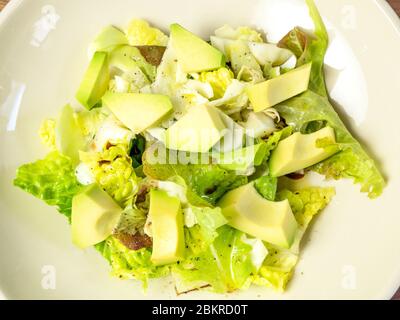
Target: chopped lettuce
x=225 y=266
x=313 y=106
x=203 y=233
x=113 y=171
x=219 y=80
x=51 y=180
x=240 y=33
x=140 y=33
x=130 y=264
x=207 y=181
x=266 y=186
x=278 y=267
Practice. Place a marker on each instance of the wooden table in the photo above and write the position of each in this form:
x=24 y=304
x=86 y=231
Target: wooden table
x=394 y=3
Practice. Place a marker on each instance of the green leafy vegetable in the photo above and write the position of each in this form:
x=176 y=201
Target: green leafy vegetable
x=113 y=171
x=130 y=264
x=140 y=33
x=226 y=265
x=266 y=186
x=201 y=235
x=208 y=181
x=312 y=109
x=51 y=180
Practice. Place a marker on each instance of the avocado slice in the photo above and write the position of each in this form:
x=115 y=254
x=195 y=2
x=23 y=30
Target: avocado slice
x=300 y=151
x=138 y=111
x=197 y=131
x=107 y=40
x=246 y=210
x=271 y=92
x=242 y=159
x=69 y=136
x=194 y=54
x=95 y=81
x=167 y=228
x=94 y=216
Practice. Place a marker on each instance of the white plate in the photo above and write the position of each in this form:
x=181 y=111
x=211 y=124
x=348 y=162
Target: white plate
x=354 y=250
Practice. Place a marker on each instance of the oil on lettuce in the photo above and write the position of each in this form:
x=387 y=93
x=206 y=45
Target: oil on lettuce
x=51 y=180
x=313 y=106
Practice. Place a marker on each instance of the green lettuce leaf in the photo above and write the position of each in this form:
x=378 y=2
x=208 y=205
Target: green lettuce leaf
x=278 y=267
x=130 y=264
x=113 y=171
x=204 y=232
x=140 y=33
x=51 y=180
x=312 y=109
x=207 y=181
x=266 y=186
x=224 y=266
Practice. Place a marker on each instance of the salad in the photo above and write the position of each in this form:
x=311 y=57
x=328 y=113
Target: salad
x=179 y=156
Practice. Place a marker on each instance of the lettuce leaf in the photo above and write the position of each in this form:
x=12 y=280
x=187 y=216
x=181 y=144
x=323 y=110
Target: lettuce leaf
x=204 y=232
x=140 y=33
x=130 y=264
x=313 y=107
x=266 y=186
x=113 y=171
x=225 y=266
x=207 y=181
x=219 y=80
x=278 y=267
x=51 y=180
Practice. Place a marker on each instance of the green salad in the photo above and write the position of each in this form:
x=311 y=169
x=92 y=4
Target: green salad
x=179 y=156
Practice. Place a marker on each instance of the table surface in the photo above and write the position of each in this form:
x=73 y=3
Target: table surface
x=394 y=3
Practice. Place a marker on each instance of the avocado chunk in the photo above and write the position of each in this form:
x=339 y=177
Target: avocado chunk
x=194 y=54
x=197 y=131
x=129 y=59
x=271 y=92
x=246 y=210
x=95 y=81
x=242 y=159
x=107 y=40
x=300 y=151
x=69 y=137
x=94 y=216
x=167 y=228
x=138 y=111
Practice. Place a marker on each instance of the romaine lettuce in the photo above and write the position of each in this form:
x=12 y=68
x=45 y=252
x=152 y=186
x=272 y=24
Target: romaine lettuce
x=113 y=171
x=130 y=264
x=51 y=180
x=226 y=265
x=140 y=33
x=313 y=106
x=207 y=181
